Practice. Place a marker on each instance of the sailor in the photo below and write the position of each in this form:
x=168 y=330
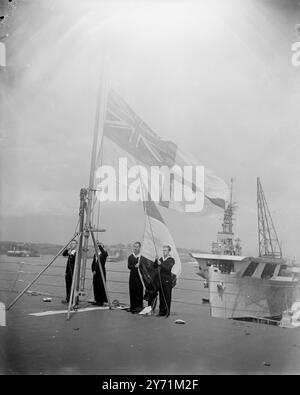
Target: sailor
x=71 y=254
x=136 y=289
x=164 y=265
x=98 y=285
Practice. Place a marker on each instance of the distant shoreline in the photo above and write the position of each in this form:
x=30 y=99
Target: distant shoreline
x=52 y=249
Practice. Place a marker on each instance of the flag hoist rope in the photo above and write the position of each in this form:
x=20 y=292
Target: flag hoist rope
x=96 y=217
x=152 y=233
x=138 y=267
x=98 y=125
x=100 y=276
x=153 y=239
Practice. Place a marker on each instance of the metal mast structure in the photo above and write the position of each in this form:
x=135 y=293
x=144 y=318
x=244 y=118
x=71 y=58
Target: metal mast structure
x=87 y=195
x=225 y=242
x=268 y=241
x=227 y=224
x=86 y=229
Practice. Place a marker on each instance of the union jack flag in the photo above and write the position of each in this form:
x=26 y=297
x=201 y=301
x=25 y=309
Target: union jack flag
x=131 y=133
x=127 y=130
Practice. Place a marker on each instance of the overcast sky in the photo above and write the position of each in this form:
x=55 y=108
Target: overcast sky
x=216 y=77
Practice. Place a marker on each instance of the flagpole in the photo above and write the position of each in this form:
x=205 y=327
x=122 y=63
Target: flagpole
x=98 y=131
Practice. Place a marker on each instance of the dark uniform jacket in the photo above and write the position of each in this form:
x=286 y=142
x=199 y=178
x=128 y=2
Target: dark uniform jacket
x=102 y=258
x=135 y=285
x=165 y=267
x=70 y=262
x=98 y=284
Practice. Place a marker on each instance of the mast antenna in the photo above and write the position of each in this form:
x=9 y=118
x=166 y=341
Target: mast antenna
x=269 y=245
x=229 y=212
x=225 y=243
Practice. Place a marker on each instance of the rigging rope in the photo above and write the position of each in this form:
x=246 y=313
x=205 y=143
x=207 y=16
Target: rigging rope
x=99 y=201
x=96 y=203
x=153 y=239
x=157 y=257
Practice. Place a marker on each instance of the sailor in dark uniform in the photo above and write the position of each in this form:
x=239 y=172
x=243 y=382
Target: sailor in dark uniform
x=164 y=266
x=98 y=285
x=71 y=254
x=136 y=289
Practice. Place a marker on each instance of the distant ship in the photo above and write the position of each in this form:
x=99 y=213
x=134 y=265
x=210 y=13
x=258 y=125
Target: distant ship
x=118 y=253
x=243 y=286
x=115 y=255
x=22 y=250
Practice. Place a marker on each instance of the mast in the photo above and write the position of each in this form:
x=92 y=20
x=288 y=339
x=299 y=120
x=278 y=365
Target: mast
x=225 y=243
x=85 y=214
x=227 y=224
x=98 y=131
x=268 y=241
